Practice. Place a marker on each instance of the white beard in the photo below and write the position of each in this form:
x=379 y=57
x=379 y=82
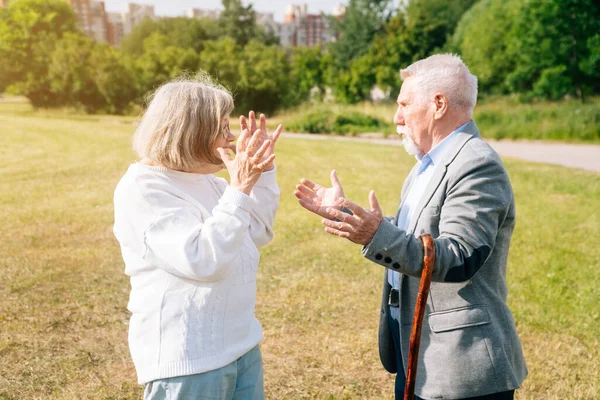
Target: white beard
x=409 y=145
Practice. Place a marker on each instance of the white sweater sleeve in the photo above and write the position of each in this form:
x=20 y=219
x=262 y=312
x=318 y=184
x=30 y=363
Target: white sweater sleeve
x=265 y=196
x=182 y=244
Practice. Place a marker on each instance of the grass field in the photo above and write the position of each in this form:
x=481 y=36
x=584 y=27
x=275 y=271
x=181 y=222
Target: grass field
x=63 y=293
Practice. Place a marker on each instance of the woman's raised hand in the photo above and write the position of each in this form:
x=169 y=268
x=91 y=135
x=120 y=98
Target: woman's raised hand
x=251 y=126
x=250 y=160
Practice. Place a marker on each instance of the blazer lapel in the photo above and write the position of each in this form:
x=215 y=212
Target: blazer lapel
x=463 y=136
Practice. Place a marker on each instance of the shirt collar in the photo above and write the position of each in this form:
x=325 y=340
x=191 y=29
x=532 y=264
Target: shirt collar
x=436 y=154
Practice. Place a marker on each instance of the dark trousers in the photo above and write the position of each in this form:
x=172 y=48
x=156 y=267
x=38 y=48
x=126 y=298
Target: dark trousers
x=401 y=375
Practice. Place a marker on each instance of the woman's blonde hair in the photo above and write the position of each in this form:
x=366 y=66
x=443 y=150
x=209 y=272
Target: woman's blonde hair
x=182 y=123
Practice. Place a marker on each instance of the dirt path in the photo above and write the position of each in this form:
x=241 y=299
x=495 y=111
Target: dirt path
x=583 y=156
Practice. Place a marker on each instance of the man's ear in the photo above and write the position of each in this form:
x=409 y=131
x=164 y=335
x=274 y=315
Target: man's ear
x=441 y=105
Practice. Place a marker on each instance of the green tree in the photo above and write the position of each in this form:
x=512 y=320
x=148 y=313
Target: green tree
x=309 y=70
x=550 y=45
x=257 y=74
x=221 y=59
x=114 y=79
x=161 y=62
x=591 y=65
x=70 y=73
x=390 y=51
x=431 y=23
x=263 y=78
x=481 y=39
x=238 y=21
x=363 y=19
x=537 y=48
x=186 y=33
x=86 y=74
x=29 y=30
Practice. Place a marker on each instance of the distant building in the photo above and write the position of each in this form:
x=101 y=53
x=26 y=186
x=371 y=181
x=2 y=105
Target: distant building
x=104 y=27
x=202 y=13
x=301 y=29
x=136 y=13
x=265 y=19
x=116 y=27
x=268 y=21
x=91 y=18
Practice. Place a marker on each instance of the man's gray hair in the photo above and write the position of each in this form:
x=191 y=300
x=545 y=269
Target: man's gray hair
x=445 y=73
x=182 y=123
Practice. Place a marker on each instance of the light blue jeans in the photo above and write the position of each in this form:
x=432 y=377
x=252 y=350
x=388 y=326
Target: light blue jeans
x=240 y=380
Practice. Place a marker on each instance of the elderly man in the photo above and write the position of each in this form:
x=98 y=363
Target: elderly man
x=459 y=193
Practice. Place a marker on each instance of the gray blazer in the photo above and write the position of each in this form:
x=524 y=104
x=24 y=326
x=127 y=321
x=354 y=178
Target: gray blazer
x=469 y=343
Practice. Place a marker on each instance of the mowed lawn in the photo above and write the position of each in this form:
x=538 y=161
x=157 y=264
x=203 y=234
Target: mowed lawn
x=63 y=293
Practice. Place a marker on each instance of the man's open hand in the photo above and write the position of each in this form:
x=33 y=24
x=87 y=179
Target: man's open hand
x=317 y=199
x=360 y=227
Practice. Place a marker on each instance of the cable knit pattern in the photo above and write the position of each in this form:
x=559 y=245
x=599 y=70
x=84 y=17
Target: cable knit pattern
x=189 y=243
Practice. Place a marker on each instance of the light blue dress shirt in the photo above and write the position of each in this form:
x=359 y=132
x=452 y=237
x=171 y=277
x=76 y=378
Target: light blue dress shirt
x=426 y=167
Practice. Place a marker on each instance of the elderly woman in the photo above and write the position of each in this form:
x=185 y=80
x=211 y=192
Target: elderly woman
x=189 y=241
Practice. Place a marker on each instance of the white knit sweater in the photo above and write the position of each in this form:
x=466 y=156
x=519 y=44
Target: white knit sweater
x=189 y=243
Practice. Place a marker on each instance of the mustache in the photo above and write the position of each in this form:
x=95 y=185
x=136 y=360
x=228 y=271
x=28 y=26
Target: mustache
x=401 y=130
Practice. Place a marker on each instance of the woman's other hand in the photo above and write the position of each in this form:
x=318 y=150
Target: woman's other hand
x=250 y=160
x=252 y=127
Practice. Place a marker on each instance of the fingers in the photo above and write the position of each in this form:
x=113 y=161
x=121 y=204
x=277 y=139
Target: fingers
x=243 y=123
x=265 y=163
x=340 y=215
x=310 y=206
x=277 y=133
x=263 y=123
x=252 y=118
x=334 y=179
x=261 y=151
x=310 y=184
x=242 y=142
x=338 y=225
x=254 y=142
x=274 y=139
x=337 y=232
x=306 y=191
x=304 y=197
x=355 y=208
x=374 y=203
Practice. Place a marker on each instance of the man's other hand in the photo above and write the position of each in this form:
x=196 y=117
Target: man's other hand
x=317 y=199
x=358 y=228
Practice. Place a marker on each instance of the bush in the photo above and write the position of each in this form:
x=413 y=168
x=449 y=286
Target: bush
x=328 y=122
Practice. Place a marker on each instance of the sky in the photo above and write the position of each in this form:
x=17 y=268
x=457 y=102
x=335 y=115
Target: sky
x=179 y=7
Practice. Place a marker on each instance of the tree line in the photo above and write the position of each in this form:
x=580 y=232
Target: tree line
x=536 y=49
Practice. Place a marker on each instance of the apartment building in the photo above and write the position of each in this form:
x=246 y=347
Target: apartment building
x=116 y=27
x=136 y=13
x=268 y=21
x=202 y=13
x=91 y=18
x=108 y=27
x=301 y=29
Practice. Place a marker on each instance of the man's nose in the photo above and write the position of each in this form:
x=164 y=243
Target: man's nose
x=399 y=118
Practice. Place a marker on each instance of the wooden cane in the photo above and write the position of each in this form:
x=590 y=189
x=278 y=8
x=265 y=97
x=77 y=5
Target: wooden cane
x=415 y=333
